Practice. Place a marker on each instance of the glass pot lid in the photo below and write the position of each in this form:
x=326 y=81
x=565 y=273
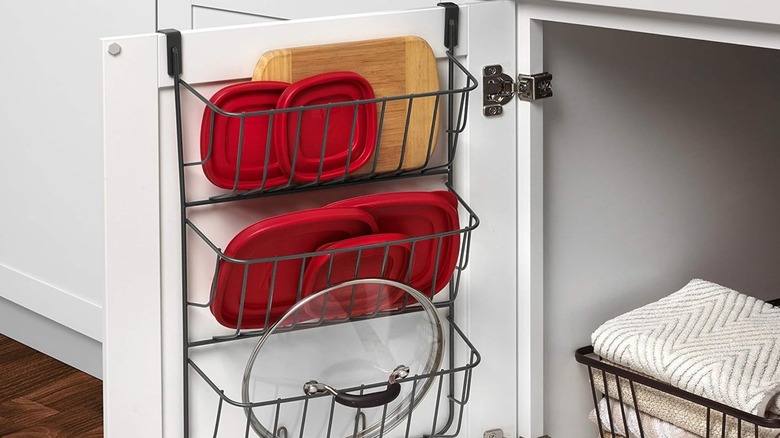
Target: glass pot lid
x=332 y=343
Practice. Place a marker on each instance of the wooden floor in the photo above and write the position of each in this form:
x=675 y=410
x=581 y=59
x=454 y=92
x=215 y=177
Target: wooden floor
x=41 y=397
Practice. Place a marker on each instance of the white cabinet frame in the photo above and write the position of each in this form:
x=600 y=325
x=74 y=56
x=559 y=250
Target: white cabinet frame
x=139 y=219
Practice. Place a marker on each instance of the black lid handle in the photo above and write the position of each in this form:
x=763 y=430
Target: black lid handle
x=371 y=400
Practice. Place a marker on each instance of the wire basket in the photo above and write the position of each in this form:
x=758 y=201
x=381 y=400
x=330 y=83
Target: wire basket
x=438 y=414
x=286 y=279
x=256 y=153
x=636 y=403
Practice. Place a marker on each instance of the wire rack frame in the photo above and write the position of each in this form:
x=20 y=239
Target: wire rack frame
x=450 y=249
x=623 y=396
x=454 y=121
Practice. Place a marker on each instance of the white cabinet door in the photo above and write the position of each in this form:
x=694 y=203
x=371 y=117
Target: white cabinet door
x=143 y=336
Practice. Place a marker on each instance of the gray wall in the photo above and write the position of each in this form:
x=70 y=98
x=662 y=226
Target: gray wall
x=662 y=164
x=51 y=171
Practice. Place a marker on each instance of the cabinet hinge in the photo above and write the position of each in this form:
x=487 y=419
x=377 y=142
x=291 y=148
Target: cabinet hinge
x=493 y=433
x=498 y=88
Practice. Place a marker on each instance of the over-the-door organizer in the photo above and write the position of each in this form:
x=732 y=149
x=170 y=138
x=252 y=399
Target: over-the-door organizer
x=274 y=137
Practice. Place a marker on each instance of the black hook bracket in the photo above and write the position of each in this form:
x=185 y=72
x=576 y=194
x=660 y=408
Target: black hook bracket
x=173 y=51
x=451 y=22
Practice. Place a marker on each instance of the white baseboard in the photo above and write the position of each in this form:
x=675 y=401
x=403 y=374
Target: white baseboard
x=52 y=321
x=53 y=339
x=52 y=303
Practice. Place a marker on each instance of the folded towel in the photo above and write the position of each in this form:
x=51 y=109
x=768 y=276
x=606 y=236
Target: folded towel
x=705 y=339
x=652 y=427
x=680 y=412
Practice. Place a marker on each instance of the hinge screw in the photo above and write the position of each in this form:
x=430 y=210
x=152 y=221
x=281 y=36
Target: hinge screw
x=114 y=49
x=490 y=71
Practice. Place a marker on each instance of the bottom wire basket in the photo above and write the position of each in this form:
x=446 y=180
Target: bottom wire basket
x=392 y=376
x=646 y=408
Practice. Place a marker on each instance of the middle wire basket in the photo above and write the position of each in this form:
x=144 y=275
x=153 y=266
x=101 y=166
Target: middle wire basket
x=248 y=292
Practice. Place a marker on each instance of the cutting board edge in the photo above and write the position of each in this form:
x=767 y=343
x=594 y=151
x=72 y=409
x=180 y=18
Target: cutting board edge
x=420 y=75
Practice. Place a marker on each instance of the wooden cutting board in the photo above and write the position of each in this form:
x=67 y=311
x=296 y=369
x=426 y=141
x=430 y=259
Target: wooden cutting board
x=394 y=67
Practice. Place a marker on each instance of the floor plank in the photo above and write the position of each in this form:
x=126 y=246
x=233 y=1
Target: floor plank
x=41 y=397
x=74 y=389
x=32 y=432
x=24 y=411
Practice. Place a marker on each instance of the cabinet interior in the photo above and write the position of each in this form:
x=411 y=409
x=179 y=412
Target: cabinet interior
x=660 y=165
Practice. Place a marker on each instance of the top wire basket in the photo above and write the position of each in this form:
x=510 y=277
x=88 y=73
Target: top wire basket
x=256 y=139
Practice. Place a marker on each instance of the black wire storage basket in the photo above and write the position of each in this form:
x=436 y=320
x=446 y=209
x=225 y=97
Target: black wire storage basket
x=432 y=398
x=273 y=151
x=626 y=396
x=249 y=152
x=286 y=279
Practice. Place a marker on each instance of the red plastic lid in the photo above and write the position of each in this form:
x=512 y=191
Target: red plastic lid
x=390 y=262
x=332 y=87
x=288 y=234
x=221 y=165
x=447 y=196
x=418 y=214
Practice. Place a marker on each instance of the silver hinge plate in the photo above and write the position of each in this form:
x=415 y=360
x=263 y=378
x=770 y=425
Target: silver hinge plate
x=498 y=88
x=533 y=87
x=494 y=433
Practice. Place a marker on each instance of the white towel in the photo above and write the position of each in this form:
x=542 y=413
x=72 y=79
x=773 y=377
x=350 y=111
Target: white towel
x=680 y=412
x=705 y=339
x=651 y=427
